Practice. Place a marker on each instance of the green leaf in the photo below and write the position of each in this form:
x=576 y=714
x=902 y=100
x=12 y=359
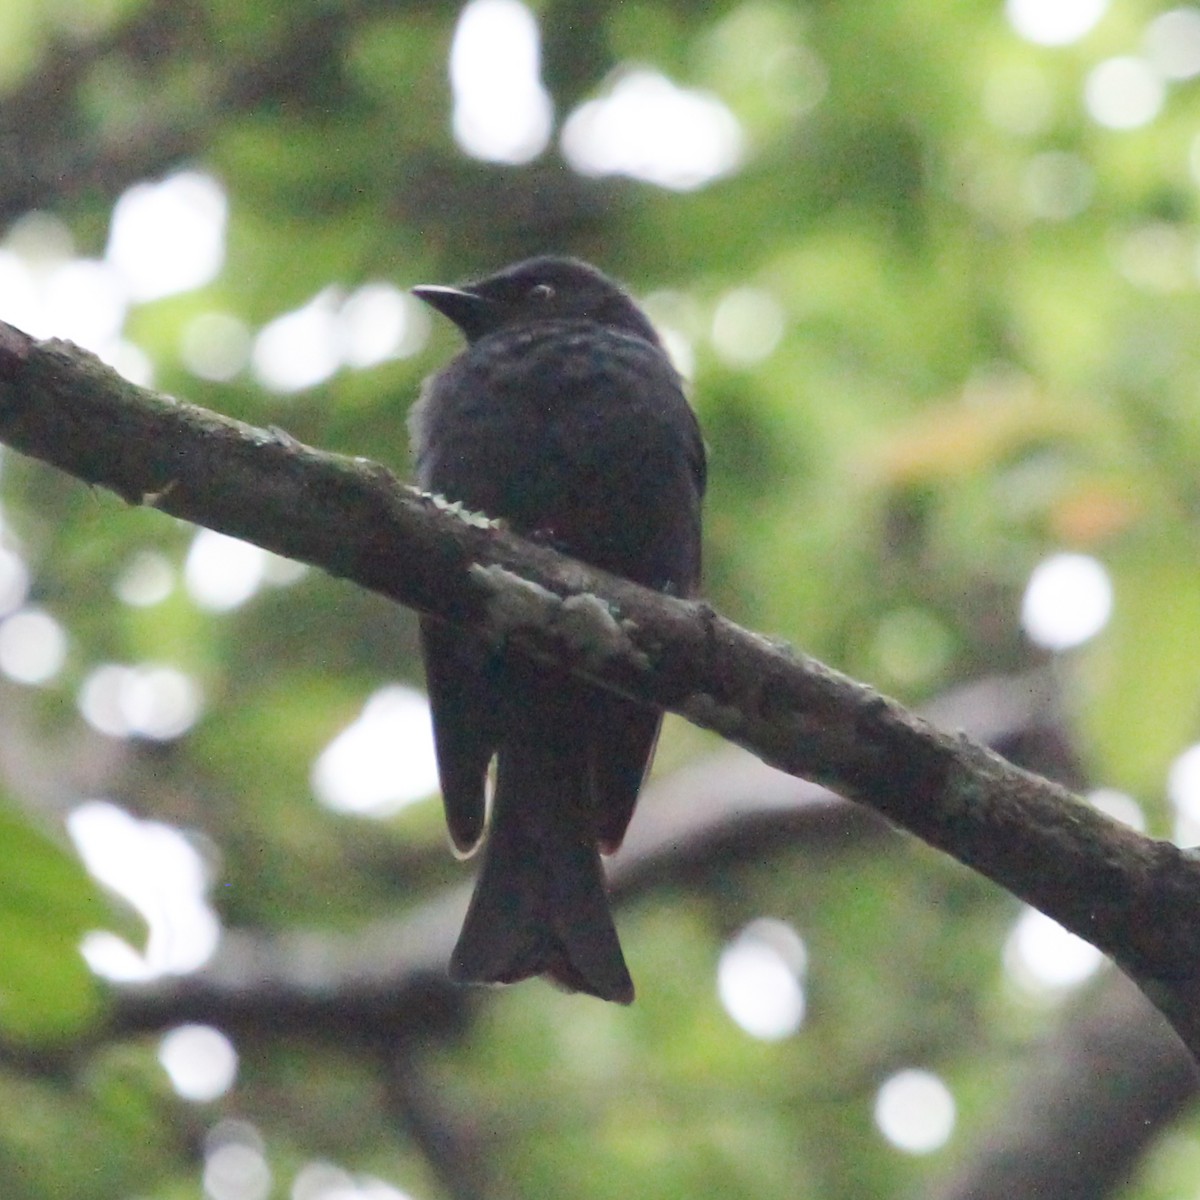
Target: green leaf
x=47 y=903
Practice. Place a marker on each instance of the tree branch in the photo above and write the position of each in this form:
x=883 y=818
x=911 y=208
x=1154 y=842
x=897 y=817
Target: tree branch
x=1097 y=1092
x=1131 y=896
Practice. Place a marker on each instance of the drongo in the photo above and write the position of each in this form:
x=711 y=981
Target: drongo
x=564 y=417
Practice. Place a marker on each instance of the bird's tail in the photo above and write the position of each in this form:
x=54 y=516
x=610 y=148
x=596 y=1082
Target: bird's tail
x=539 y=906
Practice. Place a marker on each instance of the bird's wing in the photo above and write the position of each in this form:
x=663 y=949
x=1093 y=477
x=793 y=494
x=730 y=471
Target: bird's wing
x=462 y=701
x=621 y=745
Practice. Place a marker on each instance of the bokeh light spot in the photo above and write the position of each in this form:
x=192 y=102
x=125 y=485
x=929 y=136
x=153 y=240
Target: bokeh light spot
x=151 y=701
x=129 y=361
x=87 y=302
x=168 y=237
x=759 y=979
x=1173 y=43
x=502 y=113
x=1046 y=960
x=284 y=572
x=323 y=1181
x=1067 y=601
x=747 y=325
x=221 y=573
x=383 y=760
x=1156 y=257
x=47 y=292
x=199 y=1060
x=158 y=870
x=380 y=322
x=915 y=1111
x=20 y=302
x=299 y=349
x=235 y=1163
x=1123 y=93
x=215 y=346
x=651 y=129
x=1183 y=790
x=33 y=646
x=1054 y=22
x=147 y=579
x=41 y=239
x=1118 y=805
x=680 y=322
x=14 y=581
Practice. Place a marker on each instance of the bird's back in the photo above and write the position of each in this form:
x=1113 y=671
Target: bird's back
x=576 y=433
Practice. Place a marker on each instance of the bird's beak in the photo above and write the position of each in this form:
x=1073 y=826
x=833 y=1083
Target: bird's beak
x=468 y=310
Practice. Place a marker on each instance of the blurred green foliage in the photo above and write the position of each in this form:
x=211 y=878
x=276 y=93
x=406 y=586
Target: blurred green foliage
x=48 y=907
x=987 y=354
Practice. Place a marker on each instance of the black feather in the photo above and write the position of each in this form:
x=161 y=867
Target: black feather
x=565 y=417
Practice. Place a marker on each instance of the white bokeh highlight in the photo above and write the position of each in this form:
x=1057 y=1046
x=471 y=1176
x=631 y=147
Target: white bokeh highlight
x=41 y=240
x=150 y=700
x=1054 y=22
x=33 y=646
x=159 y=872
x=502 y=113
x=680 y=321
x=1123 y=93
x=305 y=347
x=1156 y=256
x=221 y=573
x=651 y=129
x=14 y=580
x=130 y=361
x=1119 y=805
x=1044 y=960
x=760 y=979
x=915 y=1111
x=379 y=322
x=1183 y=790
x=200 y=1061
x=147 y=579
x=168 y=237
x=283 y=572
x=215 y=346
x=235 y=1163
x=1068 y=600
x=89 y=301
x=299 y=349
x=383 y=760
x=319 y=1180
x=747 y=326
x=48 y=292
x=1173 y=44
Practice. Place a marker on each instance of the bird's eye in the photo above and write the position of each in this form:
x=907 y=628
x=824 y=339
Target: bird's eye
x=541 y=291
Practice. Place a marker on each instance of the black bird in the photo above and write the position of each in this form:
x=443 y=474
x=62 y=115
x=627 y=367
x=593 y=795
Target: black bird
x=563 y=416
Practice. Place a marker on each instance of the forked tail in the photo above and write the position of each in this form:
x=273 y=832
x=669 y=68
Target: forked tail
x=540 y=906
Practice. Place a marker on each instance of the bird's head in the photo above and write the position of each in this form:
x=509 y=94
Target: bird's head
x=537 y=290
